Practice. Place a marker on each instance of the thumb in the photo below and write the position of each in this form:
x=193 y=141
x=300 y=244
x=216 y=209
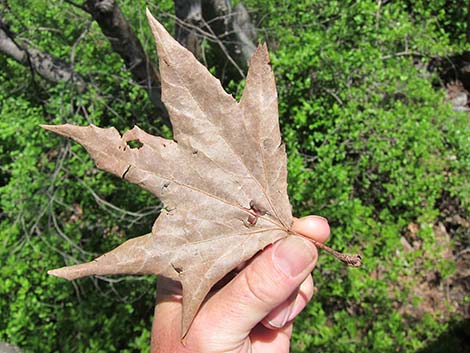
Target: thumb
x=268 y=281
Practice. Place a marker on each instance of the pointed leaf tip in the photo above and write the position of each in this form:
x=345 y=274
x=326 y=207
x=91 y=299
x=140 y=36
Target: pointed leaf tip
x=149 y=15
x=58 y=272
x=52 y=128
x=64 y=129
x=261 y=54
x=75 y=271
x=155 y=26
x=58 y=129
x=68 y=273
x=164 y=41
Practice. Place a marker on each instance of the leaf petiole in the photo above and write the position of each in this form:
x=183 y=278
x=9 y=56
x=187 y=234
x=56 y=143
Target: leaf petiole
x=353 y=260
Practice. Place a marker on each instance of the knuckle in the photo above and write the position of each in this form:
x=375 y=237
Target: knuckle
x=260 y=288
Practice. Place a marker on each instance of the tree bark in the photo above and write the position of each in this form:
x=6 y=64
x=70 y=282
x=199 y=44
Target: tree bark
x=467 y=29
x=45 y=65
x=231 y=29
x=189 y=17
x=124 y=42
x=8 y=348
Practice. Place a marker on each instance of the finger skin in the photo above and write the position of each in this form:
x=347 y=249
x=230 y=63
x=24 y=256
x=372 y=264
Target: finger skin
x=292 y=307
x=258 y=289
x=278 y=317
x=166 y=328
x=265 y=340
x=313 y=227
x=306 y=292
x=229 y=320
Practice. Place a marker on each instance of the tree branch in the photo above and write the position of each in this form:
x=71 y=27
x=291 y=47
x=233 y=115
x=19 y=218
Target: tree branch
x=232 y=28
x=124 y=42
x=8 y=348
x=47 y=66
x=189 y=19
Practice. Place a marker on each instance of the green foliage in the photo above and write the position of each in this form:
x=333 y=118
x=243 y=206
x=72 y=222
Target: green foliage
x=372 y=146
x=56 y=209
x=53 y=217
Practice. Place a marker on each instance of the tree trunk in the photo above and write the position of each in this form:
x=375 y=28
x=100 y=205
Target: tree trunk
x=230 y=29
x=124 y=42
x=467 y=29
x=189 y=18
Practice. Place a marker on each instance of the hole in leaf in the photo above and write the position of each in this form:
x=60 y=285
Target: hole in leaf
x=135 y=144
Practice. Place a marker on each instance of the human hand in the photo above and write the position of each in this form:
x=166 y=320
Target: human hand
x=255 y=310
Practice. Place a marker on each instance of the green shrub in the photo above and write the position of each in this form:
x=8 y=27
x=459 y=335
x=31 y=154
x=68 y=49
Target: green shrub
x=372 y=146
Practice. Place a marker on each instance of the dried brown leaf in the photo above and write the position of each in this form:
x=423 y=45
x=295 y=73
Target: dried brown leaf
x=223 y=179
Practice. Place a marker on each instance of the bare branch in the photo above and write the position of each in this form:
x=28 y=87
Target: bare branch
x=226 y=52
x=233 y=26
x=8 y=348
x=215 y=20
x=47 y=66
x=124 y=42
x=189 y=19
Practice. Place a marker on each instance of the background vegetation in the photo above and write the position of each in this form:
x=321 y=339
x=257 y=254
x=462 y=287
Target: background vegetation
x=373 y=143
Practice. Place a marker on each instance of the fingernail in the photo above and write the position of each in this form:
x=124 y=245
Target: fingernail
x=320 y=217
x=292 y=255
x=280 y=319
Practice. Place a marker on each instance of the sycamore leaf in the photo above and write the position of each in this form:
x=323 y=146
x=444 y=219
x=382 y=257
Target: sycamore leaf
x=223 y=179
